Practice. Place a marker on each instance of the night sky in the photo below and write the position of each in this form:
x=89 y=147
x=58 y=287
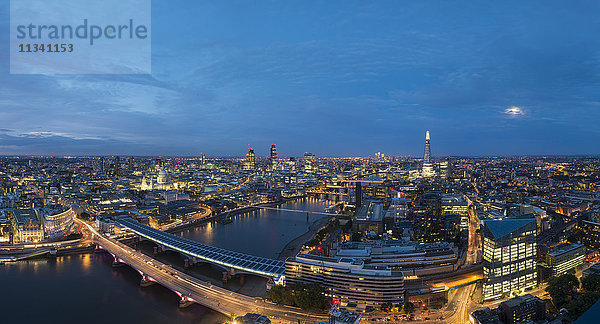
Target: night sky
x=337 y=78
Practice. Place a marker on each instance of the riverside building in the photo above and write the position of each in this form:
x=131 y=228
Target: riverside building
x=26 y=226
x=413 y=259
x=351 y=282
x=57 y=221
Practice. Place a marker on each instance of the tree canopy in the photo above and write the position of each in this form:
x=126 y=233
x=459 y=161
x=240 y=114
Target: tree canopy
x=306 y=296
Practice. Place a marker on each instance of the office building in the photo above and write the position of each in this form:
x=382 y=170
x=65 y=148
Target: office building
x=273 y=157
x=310 y=162
x=348 y=281
x=26 y=226
x=446 y=168
x=591 y=229
x=5 y=228
x=509 y=257
x=250 y=163
x=103 y=164
x=412 y=258
x=369 y=218
x=57 y=221
x=522 y=309
x=131 y=163
x=427 y=163
x=565 y=257
x=456 y=204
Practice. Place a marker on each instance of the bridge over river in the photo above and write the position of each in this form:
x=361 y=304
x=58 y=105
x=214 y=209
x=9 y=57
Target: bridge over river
x=194 y=290
x=230 y=260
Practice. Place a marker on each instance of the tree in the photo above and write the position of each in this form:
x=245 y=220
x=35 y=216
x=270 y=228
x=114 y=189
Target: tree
x=275 y=294
x=408 y=307
x=561 y=288
x=581 y=304
x=591 y=283
x=310 y=297
x=386 y=307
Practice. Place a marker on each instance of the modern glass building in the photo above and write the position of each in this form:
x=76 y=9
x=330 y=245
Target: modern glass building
x=427 y=163
x=509 y=257
x=347 y=280
x=565 y=257
x=57 y=221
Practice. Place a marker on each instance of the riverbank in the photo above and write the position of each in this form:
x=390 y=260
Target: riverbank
x=293 y=247
x=233 y=212
x=47 y=252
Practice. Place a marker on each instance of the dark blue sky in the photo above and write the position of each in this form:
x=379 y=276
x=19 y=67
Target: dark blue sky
x=331 y=77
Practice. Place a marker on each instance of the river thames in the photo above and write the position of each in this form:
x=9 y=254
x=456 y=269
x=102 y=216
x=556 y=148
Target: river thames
x=85 y=288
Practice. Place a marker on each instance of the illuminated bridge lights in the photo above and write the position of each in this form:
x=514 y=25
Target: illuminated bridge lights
x=229 y=259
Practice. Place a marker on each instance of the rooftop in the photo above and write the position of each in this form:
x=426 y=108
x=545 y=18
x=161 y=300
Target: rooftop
x=502 y=227
x=518 y=300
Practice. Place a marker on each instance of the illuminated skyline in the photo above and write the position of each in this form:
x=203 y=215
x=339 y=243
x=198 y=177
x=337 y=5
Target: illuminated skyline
x=334 y=79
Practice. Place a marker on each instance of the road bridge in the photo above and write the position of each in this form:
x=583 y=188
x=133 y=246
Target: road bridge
x=194 y=290
x=295 y=210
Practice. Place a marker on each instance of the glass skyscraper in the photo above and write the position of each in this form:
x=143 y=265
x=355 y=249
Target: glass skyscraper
x=509 y=257
x=427 y=164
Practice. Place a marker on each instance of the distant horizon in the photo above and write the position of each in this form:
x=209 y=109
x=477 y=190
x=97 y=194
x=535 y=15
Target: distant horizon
x=335 y=78
x=597 y=155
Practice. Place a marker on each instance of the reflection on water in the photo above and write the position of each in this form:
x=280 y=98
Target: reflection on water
x=86 y=289
x=262 y=232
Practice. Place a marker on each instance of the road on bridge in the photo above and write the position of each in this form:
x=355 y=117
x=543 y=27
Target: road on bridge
x=220 y=299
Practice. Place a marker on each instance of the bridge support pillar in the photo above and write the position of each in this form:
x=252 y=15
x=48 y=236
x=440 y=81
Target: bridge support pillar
x=145 y=282
x=117 y=263
x=226 y=276
x=185 y=302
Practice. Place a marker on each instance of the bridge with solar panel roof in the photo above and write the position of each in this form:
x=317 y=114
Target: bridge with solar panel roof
x=231 y=260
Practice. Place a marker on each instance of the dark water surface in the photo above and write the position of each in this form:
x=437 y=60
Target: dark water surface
x=86 y=289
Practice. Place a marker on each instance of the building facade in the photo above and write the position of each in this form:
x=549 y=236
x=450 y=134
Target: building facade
x=522 y=309
x=26 y=226
x=509 y=257
x=412 y=258
x=565 y=257
x=427 y=163
x=346 y=280
x=57 y=222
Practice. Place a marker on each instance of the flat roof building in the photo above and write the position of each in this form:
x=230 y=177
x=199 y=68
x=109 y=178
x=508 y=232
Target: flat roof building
x=413 y=259
x=369 y=217
x=565 y=257
x=26 y=225
x=509 y=257
x=456 y=204
x=346 y=280
x=522 y=309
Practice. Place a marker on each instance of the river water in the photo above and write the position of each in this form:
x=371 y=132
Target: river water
x=261 y=232
x=86 y=289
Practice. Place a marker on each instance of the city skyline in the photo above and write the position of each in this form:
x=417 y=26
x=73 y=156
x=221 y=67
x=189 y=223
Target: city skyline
x=493 y=79
x=299 y=161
